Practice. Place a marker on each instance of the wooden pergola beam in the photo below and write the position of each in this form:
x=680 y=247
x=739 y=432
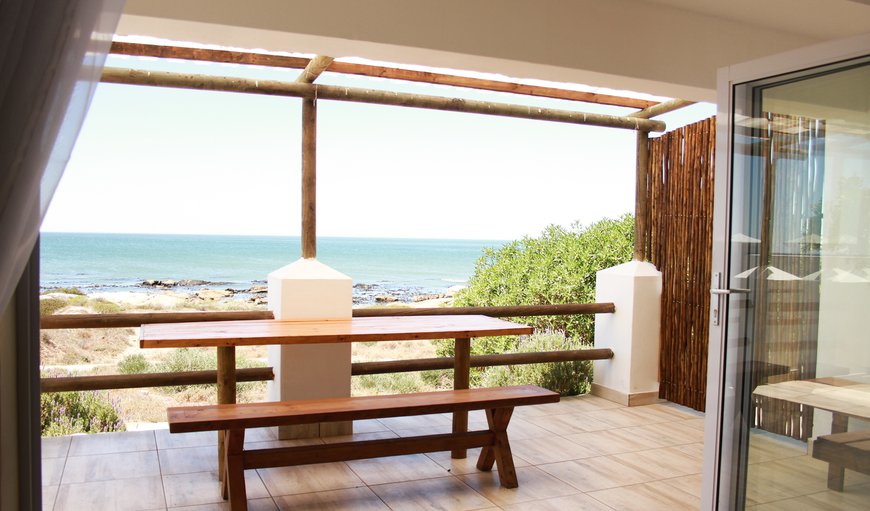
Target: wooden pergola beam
x=262 y=59
x=661 y=108
x=380 y=97
x=314 y=69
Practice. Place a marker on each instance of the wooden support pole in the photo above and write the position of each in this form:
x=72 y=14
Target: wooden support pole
x=309 y=178
x=640 y=204
x=372 y=96
x=461 y=380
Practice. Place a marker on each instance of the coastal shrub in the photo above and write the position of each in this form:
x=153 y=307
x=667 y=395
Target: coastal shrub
x=64 y=290
x=566 y=378
x=102 y=306
x=198 y=359
x=68 y=413
x=134 y=364
x=48 y=306
x=559 y=266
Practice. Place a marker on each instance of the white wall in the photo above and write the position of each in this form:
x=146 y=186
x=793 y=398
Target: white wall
x=670 y=48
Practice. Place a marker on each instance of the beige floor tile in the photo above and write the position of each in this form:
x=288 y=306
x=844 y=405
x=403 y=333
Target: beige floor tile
x=203 y=488
x=677 y=411
x=261 y=434
x=628 y=417
x=432 y=422
x=441 y=494
x=576 y=502
x=369 y=426
x=550 y=449
x=782 y=479
x=188 y=460
x=167 y=440
x=853 y=498
x=690 y=484
x=598 y=473
x=107 y=467
x=613 y=441
x=655 y=496
x=55 y=446
x=521 y=429
x=467 y=465
x=541 y=410
x=136 y=494
x=108 y=443
x=663 y=463
x=52 y=471
x=49 y=494
x=568 y=424
x=308 y=478
x=767 y=447
x=396 y=469
x=351 y=499
x=253 y=505
x=588 y=403
x=669 y=433
x=534 y=484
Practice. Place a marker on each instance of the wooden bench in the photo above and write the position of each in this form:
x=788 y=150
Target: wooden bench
x=843 y=450
x=498 y=403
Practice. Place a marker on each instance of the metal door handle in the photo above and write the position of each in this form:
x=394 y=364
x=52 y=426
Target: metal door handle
x=735 y=291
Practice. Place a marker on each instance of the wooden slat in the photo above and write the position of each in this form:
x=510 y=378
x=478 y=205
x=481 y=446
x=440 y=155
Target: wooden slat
x=253 y=415
x=134 y=381
x=364 y=449
x=259 y=332
x=261 y=59
x=135 y=319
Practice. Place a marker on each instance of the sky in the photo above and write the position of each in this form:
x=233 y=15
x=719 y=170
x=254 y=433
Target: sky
x=159 y=160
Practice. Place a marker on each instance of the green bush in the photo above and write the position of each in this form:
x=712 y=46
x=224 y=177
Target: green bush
x=68 y=413
x=566 y=378
x=134 y=364
x=102 y=306
x=557 y=267
x=48 y=306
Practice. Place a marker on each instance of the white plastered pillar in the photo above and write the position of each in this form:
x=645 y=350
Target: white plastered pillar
x=631 y=377
x=309 y=290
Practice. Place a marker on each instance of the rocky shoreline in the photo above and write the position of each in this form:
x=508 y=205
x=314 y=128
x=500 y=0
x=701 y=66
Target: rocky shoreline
x=168 y=290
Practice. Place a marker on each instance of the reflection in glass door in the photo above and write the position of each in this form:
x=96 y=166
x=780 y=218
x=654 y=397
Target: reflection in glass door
x=798 y=287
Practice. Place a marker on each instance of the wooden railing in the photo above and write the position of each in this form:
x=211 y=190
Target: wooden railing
x=126 y=320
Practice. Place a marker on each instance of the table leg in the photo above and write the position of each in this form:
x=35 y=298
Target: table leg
x=226 y=394
x=837 y=472
x=461 y=376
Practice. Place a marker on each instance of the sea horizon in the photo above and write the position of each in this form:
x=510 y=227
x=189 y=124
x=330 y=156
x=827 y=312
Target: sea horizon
x=402 y=268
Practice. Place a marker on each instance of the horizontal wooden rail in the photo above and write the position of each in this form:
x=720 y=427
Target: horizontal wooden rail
x=134 y=319
x=372 y=96
x=501 y=359
x=132 y=381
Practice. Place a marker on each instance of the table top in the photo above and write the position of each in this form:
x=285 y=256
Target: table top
x=270 y=331
x=841 y=395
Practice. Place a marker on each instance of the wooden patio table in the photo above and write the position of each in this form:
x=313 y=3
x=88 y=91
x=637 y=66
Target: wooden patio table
x=226 y=335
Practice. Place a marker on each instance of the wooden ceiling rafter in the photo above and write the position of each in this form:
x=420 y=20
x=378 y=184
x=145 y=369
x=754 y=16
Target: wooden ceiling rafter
x=351 y=68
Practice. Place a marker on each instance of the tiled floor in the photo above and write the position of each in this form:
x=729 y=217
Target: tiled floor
x=584 y=453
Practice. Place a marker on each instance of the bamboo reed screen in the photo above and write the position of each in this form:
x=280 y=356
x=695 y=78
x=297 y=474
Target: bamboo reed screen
x=791 y=173
x=677 y=237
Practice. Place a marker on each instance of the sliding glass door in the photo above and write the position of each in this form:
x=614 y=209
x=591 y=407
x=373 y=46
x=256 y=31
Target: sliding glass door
x=791 y=294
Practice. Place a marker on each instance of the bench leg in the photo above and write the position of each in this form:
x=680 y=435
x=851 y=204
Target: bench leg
x=500 y=451
x=234 y=480
x=836 y=472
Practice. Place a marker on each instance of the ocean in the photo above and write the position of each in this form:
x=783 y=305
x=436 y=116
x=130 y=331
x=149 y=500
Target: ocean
x=402 y=268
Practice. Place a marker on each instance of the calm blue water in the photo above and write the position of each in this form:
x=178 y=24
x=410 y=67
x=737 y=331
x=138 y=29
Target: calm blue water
x=121 y=262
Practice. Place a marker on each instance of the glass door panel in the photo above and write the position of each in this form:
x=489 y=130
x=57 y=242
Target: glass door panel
x=798 y=323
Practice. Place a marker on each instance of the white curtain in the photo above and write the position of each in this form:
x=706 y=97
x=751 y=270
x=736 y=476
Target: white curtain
x=51 y=56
